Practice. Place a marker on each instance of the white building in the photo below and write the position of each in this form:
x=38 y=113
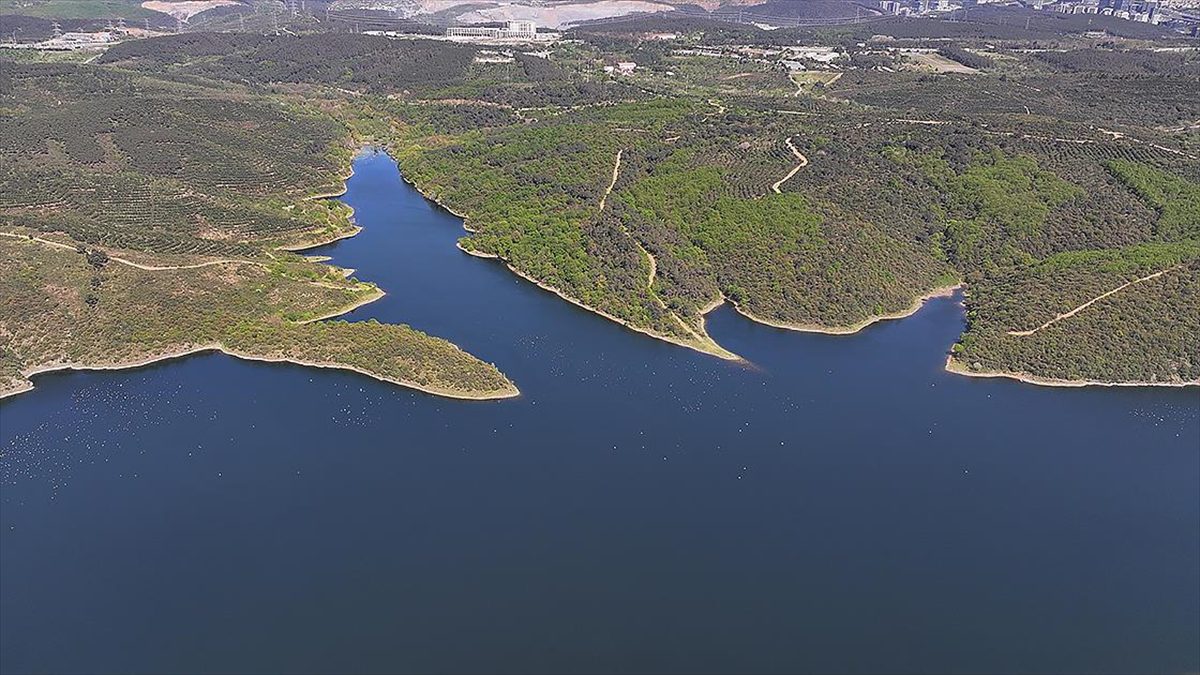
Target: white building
x=473 y=32
x=513 y=30
x=520 y=29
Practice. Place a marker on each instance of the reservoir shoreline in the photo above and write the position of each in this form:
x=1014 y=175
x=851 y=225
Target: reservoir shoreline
x=715 y=349
x=916 y=305
x=28 y=385
x=348 y=526
x=958 y=368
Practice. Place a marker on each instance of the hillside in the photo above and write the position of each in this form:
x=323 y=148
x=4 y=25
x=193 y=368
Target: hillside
x=818 y=200
x=142 y=218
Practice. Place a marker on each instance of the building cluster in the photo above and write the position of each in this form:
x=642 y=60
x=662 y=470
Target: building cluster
x=69 y=41
x=1145 y=11
x=512 y=30
x=1133 y=10
x=915 y=7
x=818 y=53
x=1175 y=14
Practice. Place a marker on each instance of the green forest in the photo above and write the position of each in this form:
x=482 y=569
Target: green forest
x=142 y=217
x=1064 y=199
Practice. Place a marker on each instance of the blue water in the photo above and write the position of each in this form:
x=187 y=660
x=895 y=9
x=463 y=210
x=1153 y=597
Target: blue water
x=843 y=505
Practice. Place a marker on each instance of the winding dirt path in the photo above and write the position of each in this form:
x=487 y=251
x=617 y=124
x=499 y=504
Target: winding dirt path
x=616 y=172
x=653 y=264
x=798 y=83
x=653 y=267
x=802 y=162
x=1089 y=303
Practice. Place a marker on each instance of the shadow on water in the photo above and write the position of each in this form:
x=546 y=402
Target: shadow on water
x=846 y=506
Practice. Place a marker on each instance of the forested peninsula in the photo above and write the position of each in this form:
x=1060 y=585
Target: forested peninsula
x=145 y=218
x=809 y=202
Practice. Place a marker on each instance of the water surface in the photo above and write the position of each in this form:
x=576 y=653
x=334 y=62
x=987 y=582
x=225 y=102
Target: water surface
x=845 y=505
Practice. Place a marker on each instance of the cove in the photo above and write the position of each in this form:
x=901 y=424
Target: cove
x=842 y=505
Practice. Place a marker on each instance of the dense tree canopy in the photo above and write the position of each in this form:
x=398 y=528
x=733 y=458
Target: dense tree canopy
x=1064 y=196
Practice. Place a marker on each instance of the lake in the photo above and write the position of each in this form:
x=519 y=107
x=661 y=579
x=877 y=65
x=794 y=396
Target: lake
x=842 y=504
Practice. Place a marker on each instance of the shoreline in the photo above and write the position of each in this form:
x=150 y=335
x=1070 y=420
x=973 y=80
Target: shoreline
x=719 y=352
x=379 y=293
x=355 y=229
x=344 y=177
x=956 y=367
x=296 y=248
x=917 y=304
x=28 y=384
x=723 y=354
x=435 y=200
